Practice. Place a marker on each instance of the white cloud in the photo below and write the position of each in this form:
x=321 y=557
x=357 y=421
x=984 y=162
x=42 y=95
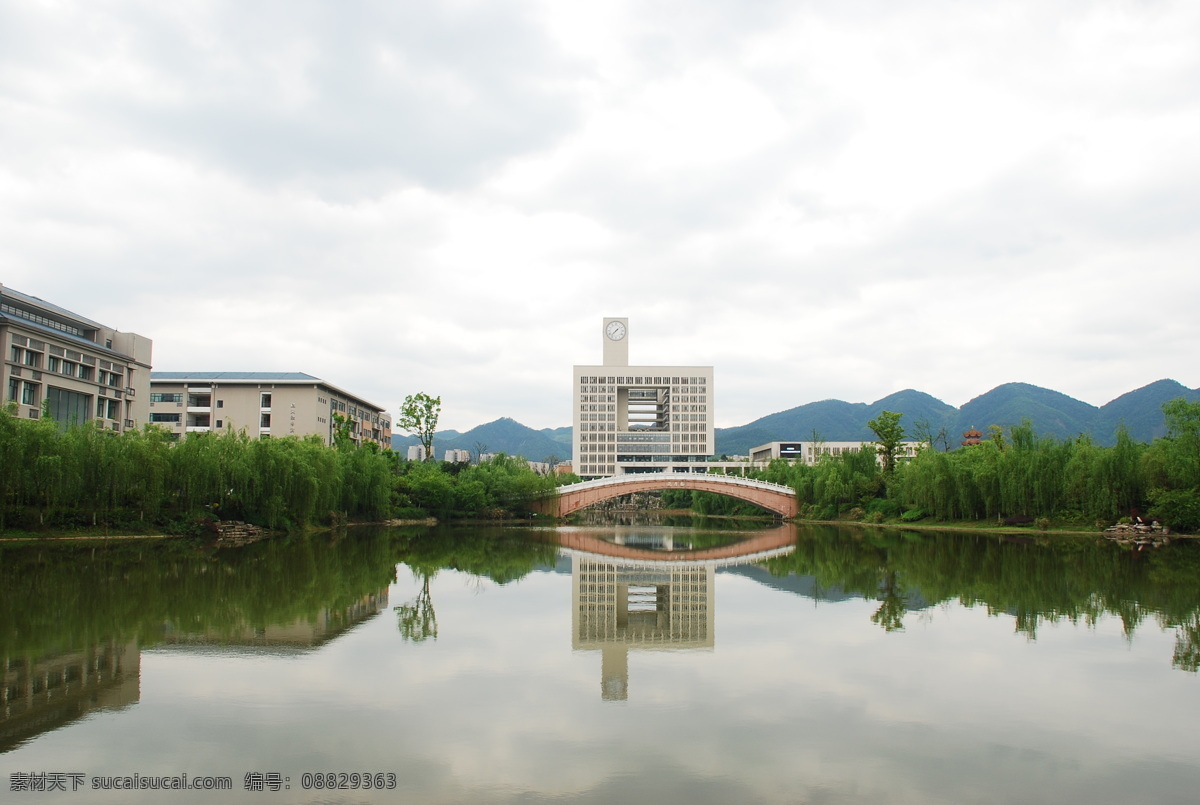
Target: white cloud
x=820 y=200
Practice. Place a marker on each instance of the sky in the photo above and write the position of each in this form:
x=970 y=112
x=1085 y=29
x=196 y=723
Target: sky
x=819 y=199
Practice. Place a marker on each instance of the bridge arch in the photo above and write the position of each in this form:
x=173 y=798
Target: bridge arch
x=569 y=499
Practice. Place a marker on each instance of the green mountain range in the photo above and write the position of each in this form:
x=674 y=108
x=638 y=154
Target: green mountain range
x=1052 y=414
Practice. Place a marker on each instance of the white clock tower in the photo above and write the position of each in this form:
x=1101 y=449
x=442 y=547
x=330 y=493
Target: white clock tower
x=616 y=342
x=639 y=419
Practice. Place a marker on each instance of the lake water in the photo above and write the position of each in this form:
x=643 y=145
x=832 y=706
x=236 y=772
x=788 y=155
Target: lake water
x=594 y=664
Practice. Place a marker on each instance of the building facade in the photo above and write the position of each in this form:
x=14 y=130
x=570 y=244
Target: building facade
x=630 y=419
x=80 y=370
x=263 y=404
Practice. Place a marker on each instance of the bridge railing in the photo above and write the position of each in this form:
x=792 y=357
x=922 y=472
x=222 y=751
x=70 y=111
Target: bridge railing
x=617 y=480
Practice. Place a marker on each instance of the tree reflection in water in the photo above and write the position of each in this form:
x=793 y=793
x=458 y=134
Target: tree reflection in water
x=416 y=620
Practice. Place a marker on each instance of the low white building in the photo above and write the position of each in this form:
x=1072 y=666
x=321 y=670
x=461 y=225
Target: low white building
x=811 y=452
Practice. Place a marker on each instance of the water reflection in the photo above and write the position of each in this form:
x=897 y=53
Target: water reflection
x=76 y=619
x=301 y=634
x=49 y=691
x=847 y=665
x=650 y=589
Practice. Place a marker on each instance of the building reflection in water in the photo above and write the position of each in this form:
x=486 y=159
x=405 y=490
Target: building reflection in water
x=301 y=634
x=642 y=591
x=44 y=694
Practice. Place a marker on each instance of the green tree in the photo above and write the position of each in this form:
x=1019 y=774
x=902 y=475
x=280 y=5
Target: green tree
x=1173 y=467
x=343 y=432
x=889 y=435
x=419 y=417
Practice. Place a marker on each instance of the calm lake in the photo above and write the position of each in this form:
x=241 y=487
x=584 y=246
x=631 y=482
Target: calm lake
x=602 y=664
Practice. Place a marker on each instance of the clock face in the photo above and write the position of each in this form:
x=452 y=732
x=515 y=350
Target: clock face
x=615 y=330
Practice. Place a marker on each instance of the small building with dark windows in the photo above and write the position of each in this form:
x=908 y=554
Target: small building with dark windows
x=263 y=404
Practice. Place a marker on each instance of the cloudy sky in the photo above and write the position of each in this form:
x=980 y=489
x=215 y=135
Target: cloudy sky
x=820 y=199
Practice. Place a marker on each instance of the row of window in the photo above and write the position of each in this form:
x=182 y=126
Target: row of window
x=37 y=318
x=199 y=400
x=65 y=405
x=683 y=405
x=200 y=420
x=61 y=366
x=639 y=380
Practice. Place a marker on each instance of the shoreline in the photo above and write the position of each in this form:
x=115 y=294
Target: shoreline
x=429 y=522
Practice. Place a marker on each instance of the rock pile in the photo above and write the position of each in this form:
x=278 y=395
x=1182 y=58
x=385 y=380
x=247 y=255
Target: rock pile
x=1139 y=533
x=235 y=532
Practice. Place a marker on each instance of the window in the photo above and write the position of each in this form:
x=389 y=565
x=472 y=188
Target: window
x=266 y=400
x=14 y=388
x=220 y=422
x=29 y=394
x=33 y=359
x=52 y=364
x=114 y=409
x=15 y=355
x=160 y=397
x=68 y=407
x=114 y=380
x=85 y=372
x=69 y=369
x=176 y=418
x=220 y=404
x=264 y=421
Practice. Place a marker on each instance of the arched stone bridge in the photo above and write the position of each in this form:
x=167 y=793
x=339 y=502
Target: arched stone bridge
x=569 y=499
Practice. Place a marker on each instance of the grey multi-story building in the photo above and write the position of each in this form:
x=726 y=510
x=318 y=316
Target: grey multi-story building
x=263 y=404
x=75 y=368
x=629 y=419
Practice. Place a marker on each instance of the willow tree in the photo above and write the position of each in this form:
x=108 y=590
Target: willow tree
x=1173 y=467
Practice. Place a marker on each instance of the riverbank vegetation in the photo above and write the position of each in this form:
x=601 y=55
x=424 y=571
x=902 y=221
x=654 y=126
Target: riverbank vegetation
x=82 y=477
x=1014 y=477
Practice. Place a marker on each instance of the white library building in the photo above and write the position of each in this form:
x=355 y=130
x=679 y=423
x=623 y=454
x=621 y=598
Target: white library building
x=629 y=419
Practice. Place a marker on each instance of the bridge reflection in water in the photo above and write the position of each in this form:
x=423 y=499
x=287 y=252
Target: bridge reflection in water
x=641 y=591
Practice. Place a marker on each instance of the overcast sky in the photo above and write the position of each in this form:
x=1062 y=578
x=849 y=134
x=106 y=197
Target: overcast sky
x=820 y=199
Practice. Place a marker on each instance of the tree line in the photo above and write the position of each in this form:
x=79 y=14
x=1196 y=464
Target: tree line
x=82 y=476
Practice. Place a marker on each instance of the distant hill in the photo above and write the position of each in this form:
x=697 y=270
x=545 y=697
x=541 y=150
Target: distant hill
x=832 y=421
x=1141 y=410
x=1052 y=414
x=502 y=436
x=560 y=435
